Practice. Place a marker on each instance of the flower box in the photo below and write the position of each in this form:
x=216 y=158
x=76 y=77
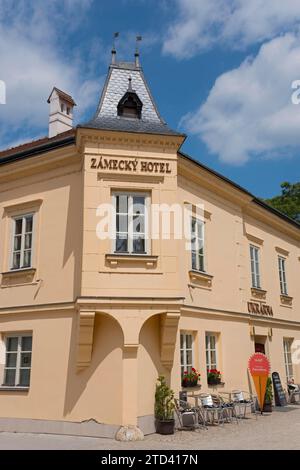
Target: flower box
x=190 y=379
x=213 y=377
x=189 y=383
x=213 y=381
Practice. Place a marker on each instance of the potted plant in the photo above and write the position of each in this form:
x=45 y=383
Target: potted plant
x=190 y=379
x=213 y=377
x=268 y=397
x=164 y=407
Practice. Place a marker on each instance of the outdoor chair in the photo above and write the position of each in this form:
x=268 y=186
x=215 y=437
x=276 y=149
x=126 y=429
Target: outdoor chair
x=214 y=413
x=189 y=417
x=242 y=402
x=228 y=407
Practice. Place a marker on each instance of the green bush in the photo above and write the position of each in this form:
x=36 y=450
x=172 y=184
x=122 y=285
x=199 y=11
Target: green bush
x=269 y=391
x=164 y=400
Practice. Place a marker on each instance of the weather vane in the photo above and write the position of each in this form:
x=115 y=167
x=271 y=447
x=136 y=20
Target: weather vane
x=115 y=36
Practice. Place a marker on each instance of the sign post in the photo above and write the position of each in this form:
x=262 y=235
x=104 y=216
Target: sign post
x=259 y=367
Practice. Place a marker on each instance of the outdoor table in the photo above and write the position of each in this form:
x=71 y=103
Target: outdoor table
x=196 y=397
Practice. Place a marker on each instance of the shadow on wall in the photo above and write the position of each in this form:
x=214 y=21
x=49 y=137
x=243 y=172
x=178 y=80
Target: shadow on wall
x=149 y=365
x=96 y=392
x=74 y=232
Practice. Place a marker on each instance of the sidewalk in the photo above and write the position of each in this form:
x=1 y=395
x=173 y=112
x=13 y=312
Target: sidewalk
x=279 y=430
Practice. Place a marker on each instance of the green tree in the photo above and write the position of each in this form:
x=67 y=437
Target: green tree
x=289 y=200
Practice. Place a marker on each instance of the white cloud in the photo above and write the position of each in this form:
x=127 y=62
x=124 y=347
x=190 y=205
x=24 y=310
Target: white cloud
x=35 y=56
x=249 y=112
x=202 y=24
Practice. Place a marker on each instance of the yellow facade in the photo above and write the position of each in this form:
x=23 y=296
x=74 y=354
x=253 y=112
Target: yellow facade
x=105 y=325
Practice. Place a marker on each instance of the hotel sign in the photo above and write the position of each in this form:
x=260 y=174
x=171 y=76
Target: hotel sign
x=132 y=165
x=260 y=309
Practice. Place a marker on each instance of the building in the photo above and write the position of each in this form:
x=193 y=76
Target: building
x=87 y=324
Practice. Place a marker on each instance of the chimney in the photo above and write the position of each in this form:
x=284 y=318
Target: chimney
x=61 y=112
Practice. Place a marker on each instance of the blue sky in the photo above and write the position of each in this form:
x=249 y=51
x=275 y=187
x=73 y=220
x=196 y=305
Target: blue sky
x=220 y=71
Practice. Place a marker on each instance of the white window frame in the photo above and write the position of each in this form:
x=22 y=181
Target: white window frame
x=18 y=367
x=282 y=275
x=255 y=266
x=199 y=239
x=22 y=251
x=209 y=350
x=130 y=196
x=287 y=351
x=184 y=366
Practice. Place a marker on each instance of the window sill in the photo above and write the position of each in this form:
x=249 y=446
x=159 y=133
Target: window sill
x=201 y=277
x=220 y=384
x=286 y=300
x=196 y=388
x=4 y=388
x=258 y=293
x=117 y=259
x=18 y=277
x=19 y=272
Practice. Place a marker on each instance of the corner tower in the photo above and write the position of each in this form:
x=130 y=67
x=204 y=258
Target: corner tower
x=126 y=82
x=129 y=273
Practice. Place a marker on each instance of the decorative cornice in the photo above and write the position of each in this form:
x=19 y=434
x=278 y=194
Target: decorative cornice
x=242 y=316
x=281 y=251
x=98 y=303
x=51 y=307
x=169 y=143
x=23 y=205
x=254 y=239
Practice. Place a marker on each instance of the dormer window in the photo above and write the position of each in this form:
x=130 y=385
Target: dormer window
x=130 y=106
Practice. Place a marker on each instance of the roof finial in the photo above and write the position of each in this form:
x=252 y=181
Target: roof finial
x=129 y=84
x=137 y=52
x=113 y=51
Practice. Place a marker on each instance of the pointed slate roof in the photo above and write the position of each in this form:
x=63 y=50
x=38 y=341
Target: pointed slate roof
x=115 y=87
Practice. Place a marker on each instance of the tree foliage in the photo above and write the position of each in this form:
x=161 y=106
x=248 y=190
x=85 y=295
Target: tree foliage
x=288 y=201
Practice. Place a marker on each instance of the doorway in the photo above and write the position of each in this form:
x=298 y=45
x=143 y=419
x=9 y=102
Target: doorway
x=260 y=344
x=260 y=348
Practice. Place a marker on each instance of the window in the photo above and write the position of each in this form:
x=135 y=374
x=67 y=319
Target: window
x=131 y=223
x=186 y=352
x=68 y=110
x=287 y=343
x=197 y=245
x=18 y=361
x=211 y=351
x=22 y=242
x=255 y=273
x=130 y=106
x=282 y=276
x=62 y=107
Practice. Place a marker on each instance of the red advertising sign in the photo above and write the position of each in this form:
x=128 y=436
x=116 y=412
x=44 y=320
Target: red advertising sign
x=259 y=365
